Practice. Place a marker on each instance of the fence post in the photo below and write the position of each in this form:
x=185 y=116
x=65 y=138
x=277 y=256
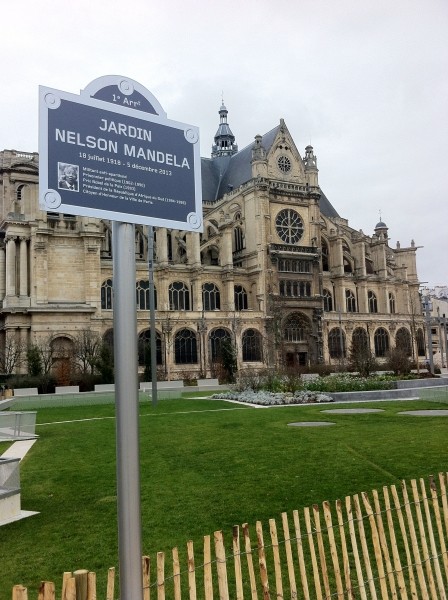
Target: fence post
x=262 y=561
x=300 y=554
x=250 y=562
x=277 y=563
x=81 y=584
x=110 y=584
x=46 y=590
x=221 y=566
x=19 y=593
x=146 y=563
x=176 y=574
x=289 y=560
x=317 y=586
x=208 y=584
x=91 y=586
x=333 y=550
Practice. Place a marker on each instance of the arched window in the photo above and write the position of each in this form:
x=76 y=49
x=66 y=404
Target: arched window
x=296 y=328
x=336 y=343
x=251 y=343
x=238 y=239
x=369 y=267
x=391 y=303
x=350 y=301
x=325 y=256
x=169 y=245
x=20 y=191
x=185 y=347
x=108 y=339
x=421 y=349
x=403 y=340
x=290 y=265
x=295 y=289
x=347 y=265
x=360 y=340
x=211 y=299
x=217 y=338
x=372 y=302
x=240 y=297
x=142 y=295
x=179 y=296
x=107 y=295
x=381 y=340
x=328 y=301
x=144 y=348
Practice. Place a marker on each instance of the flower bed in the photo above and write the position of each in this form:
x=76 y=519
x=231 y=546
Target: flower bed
x=265 y=398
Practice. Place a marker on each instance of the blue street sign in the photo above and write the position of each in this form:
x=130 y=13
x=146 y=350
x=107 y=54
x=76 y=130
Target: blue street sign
x=111 y=153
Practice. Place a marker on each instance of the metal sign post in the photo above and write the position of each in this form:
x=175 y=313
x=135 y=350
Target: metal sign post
x=126 y=403
x=111 y=153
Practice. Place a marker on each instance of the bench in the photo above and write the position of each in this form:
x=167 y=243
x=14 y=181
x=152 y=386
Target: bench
x=105 y=387
x=162 y=385
x=208 y=384
x=26 y=392
x=67 y=389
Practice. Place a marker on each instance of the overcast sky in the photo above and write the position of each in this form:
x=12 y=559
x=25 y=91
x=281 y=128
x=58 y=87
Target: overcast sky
x=365 y=81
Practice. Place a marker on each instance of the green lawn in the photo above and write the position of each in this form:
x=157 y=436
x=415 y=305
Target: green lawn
x=205 y=465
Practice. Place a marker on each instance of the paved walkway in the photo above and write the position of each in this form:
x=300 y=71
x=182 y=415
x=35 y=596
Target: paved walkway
x=18 y=449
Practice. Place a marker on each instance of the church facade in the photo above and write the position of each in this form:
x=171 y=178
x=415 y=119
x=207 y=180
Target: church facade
x=277 y=273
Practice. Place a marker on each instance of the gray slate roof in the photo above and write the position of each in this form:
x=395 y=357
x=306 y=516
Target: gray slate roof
x=223 y=173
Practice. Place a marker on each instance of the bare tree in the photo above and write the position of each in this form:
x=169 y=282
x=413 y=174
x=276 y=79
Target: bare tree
x=87 y=347
x=11 y=355
x=415 y=313
x=44 y=352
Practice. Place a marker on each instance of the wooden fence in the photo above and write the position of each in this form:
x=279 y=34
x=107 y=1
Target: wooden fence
x=383 y=545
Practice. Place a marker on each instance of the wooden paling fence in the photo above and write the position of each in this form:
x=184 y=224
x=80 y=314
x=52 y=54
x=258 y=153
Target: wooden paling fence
x=380 y=546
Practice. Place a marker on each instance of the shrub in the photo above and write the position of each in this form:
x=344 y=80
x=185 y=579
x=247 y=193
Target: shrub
x=398 y=361
x=361 y=359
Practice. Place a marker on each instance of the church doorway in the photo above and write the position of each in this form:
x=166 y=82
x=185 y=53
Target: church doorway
x=296 y=359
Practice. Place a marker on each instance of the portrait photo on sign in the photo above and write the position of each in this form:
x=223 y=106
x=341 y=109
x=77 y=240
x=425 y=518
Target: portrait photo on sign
x=68 y=177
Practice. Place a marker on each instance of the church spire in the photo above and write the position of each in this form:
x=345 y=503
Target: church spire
x=224 y=139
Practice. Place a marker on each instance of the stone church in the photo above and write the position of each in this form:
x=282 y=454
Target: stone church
x=276 y=272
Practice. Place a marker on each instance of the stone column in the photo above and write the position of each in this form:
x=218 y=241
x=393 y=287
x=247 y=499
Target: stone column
x=23 y=273
x=193 y=249
x=229 y=291
x=196 y=296
x=226 y=249
x=10 y=267
x=162 y=247
x=2 y=272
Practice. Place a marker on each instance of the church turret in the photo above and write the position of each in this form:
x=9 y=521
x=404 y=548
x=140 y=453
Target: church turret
x=259 y=160
x=310 y=162
x=381 y=230
x=224 y=139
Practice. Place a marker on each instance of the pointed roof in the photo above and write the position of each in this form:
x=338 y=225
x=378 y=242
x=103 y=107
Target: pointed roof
x=222 y=173
x=224 y=139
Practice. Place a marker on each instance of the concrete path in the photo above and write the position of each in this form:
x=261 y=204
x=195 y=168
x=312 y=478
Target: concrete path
x=18 y=449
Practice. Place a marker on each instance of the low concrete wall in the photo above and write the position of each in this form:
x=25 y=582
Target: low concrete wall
x=162 y=385
x=374 y=395
x=67 y=389
x=26 y=392
x=420 y=383
x=105 y=387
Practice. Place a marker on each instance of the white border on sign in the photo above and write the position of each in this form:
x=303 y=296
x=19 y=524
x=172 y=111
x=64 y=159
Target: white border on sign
x=50 y=200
